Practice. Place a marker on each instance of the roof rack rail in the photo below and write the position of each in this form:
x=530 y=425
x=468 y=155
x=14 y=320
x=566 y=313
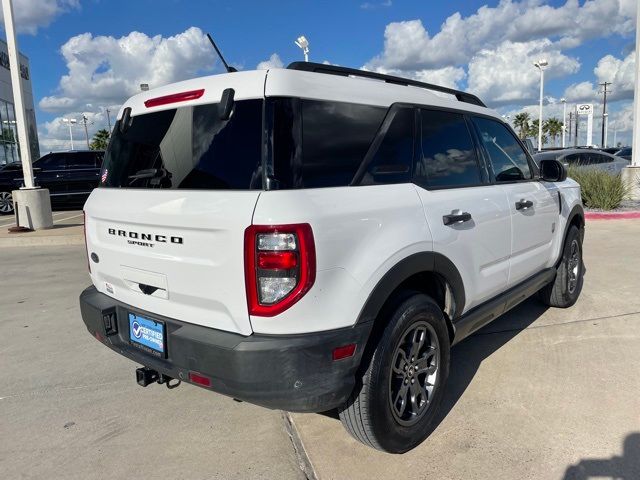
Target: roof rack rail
x=346 y=72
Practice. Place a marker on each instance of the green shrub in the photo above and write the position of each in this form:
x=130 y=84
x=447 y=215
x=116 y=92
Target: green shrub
x=600 y=189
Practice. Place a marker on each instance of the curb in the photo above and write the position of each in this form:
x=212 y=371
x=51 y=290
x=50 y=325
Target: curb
x=612 y=215
x=41 y=241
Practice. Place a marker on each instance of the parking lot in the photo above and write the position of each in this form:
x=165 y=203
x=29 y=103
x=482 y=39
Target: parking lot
x=544 y=394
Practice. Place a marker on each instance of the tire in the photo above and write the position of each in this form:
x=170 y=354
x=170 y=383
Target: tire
x=6 y=203
x=374 y=414
x=564 y=291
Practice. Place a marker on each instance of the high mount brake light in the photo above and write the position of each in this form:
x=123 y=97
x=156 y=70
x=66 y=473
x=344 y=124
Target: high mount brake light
x=174 y=98
x=280 y=266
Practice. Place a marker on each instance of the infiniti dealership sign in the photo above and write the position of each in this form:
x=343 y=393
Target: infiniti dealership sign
x=587 y=109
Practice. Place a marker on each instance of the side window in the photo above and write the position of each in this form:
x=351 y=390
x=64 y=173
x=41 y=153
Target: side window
x=52 y=162
x=392 y=161
x=335 y=138
x=507 y=158
x=446 y=157
x=572 y=159
x=599 y=158
x=82 y=160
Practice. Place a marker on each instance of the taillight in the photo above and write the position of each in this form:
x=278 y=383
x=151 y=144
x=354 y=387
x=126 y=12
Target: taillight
x=86 y=245
x=280 y=266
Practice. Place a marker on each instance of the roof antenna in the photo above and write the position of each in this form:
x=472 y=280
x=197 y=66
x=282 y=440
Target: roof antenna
x=226 y=66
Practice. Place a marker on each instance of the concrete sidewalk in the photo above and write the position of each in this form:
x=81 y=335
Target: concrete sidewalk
x=67 y=230
x=539 y=394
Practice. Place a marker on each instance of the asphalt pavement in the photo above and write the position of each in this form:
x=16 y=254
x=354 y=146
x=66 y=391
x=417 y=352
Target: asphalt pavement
x=538 y=394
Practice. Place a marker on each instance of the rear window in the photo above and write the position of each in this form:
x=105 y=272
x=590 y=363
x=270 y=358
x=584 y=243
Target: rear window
x=319 y=143
x=188 y=148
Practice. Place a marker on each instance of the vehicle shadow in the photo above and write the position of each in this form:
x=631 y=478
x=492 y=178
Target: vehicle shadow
x=626 y=467
x=468 y=355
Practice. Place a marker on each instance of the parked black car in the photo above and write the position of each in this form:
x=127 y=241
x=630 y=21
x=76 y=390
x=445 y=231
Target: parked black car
x=70 y=176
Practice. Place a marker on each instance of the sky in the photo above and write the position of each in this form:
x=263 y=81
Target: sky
x=87 y=56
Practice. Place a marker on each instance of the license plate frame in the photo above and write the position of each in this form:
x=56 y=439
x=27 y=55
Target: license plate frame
x=148 y=334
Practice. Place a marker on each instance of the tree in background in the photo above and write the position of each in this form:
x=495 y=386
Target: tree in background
x=552 y=127
x=521 y=122
x=100 y=140
x=533 y=131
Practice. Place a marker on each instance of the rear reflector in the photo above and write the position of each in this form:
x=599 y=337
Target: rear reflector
x=277 y=260
x=199 y=379
x=174 y=98
x=344 y=351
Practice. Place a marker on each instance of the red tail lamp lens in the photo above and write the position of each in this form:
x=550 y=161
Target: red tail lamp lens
x=344 y=352
x=199 y=379
x=174 y=98
x=277 y=260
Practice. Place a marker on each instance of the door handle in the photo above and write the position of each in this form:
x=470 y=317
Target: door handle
x=456 y=217
x=524 y=204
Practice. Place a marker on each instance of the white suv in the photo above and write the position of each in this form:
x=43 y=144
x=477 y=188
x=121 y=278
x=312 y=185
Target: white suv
x=317 y=237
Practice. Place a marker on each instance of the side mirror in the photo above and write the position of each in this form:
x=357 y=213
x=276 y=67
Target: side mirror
x=552 y=171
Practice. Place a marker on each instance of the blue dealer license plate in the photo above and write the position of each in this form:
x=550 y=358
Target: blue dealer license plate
x=147 y=334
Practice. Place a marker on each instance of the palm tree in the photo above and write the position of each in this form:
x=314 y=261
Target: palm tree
x=100 y=140
x=533 y=131
x=521 y=122
x=553 y=127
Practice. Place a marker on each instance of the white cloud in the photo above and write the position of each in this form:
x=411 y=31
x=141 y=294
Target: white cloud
x=580 y=92
x=505 y=75
x=29 y=15
x=374 y=5
x=620 y=72
x=107 y=70
x=273 y=62
x=54 y=135
x=408 y=45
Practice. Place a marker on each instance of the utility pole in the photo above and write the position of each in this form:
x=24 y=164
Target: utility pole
x=86 y=131
x=604 y=86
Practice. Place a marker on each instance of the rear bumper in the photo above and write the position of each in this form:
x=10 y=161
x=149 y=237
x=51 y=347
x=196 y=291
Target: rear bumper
x=288 y=372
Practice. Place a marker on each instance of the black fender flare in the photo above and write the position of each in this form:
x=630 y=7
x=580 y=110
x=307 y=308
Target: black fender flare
x=431 y=262
x=576 y=211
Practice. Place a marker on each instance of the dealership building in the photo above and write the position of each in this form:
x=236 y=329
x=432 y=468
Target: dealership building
x=9 y=148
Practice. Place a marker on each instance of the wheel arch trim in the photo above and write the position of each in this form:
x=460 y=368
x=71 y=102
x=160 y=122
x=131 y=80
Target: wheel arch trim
x=430 y=262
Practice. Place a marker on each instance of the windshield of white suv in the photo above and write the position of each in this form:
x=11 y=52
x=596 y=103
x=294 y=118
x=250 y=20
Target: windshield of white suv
x=188 y=148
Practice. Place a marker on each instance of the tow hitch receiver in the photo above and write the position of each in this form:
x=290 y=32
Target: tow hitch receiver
x=146 y=376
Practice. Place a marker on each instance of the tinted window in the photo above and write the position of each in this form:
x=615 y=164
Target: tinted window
x=573 y=159
x=82 y=160
x=188 y=147
x=447 y=155
x=320 y=144
x=394 y=156
x=52 y=162
x=599 y=158
x=507 y=157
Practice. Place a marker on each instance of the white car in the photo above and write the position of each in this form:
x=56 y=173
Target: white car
x=317 y=238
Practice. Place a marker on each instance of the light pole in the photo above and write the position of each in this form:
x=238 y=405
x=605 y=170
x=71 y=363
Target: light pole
x=540 y=65
x=564 y=120
x=606 y=130
x=303 y=43
x=85 y=120
x=70 y=122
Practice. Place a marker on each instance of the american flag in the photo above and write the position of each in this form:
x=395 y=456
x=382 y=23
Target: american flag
x=104 y=175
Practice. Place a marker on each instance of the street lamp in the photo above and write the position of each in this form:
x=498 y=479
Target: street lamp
x=144 y=87
x=303 y=44
x=540 y=64
x=70 y=122
x=564 y=119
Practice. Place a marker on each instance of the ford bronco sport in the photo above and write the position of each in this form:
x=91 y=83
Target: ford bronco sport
x=317 y=238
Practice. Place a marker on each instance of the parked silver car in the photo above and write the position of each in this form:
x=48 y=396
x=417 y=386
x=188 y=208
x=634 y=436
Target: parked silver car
x=585 y=157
